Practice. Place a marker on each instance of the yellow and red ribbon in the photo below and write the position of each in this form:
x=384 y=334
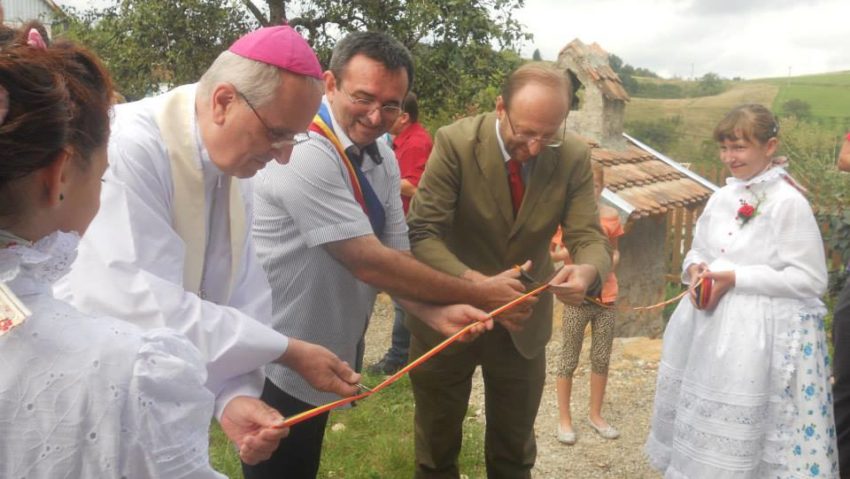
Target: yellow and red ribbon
x=292 y=420
x=303 y=416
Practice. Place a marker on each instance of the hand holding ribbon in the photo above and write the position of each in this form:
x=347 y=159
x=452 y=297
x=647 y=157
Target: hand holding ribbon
x=292 y=420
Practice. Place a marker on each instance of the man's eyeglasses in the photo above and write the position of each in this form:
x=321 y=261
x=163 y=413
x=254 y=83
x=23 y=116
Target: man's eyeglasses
x=277 y=139
x=553 y=141
x=372 y=105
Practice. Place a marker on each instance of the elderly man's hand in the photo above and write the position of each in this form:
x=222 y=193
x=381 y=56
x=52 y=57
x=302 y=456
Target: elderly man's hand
x=571 y=283
x=514 y=319
x=254 y=427
x=320 y=367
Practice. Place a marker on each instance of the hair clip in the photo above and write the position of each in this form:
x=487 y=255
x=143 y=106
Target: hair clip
x=4 y=104
x=35 y=40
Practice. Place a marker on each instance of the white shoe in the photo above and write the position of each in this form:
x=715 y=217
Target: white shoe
x=607 y=432
x=567 y=437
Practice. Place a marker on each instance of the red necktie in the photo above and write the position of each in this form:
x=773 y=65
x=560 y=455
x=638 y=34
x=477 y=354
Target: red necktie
x=515 y=182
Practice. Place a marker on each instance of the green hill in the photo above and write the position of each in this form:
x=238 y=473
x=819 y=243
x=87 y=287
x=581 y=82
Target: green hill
x=827 y=94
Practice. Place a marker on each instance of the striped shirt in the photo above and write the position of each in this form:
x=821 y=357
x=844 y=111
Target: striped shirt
x=298 y=208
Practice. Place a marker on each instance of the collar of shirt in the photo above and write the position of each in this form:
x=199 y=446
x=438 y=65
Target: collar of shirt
x=505 y=153
x=524 y=167
x=372 y=149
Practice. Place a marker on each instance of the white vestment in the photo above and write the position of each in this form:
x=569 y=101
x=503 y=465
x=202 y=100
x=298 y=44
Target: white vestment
x=132 y=260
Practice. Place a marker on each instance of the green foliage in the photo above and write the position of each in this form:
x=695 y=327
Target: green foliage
x=710 y=84
x=375 y=440
x=615 y=62
x=627 y=74
x=462 y=49
x=659 y=134
x=837 y=237
x=536 y=55
x=149 y=45
x=797 y=108
x=812 y=152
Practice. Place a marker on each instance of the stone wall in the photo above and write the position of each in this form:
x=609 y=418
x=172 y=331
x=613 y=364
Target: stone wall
x=599 y=118
x=641 y=277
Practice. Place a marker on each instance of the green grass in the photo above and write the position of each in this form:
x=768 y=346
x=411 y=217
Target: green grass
x=375 y=442
x=827 y=94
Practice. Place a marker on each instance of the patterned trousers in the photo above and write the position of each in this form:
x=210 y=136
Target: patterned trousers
x=602 y=328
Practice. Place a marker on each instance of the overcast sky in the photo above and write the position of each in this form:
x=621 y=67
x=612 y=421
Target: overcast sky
x=746 y=38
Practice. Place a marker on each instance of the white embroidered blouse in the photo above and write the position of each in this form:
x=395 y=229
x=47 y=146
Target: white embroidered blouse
x=83 y=396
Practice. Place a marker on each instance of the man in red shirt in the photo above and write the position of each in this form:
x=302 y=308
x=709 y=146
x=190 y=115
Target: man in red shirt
x=412 y=145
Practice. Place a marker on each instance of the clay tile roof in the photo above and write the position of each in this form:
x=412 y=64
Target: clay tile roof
x=591 y=63
x=651 y=185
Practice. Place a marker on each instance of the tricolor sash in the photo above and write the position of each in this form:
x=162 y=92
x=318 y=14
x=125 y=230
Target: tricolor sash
x=364 y=194
x=189 y=219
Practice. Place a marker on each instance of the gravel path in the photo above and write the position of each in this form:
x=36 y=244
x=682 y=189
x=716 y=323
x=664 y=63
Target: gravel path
x=628 y=406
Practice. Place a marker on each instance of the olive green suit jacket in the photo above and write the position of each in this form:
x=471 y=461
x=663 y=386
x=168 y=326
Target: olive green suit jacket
x=462 y=217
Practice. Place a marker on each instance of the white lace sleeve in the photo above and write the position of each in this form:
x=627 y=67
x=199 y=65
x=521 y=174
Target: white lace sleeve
x=171 y=408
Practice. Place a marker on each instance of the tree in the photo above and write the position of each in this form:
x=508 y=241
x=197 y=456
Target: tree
x=462 y=49
x=710 y=84
x=615 y=62
x=536 y=55
x=797 y=108
x=149 y=45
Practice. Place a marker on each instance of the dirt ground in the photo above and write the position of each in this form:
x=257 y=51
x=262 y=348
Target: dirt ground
x=628 y=406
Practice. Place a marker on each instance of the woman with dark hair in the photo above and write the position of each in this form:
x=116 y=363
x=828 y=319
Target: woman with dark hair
x=80 y=396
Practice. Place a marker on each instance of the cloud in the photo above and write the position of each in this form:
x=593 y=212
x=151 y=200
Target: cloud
x=734 y=7
x=692 y=37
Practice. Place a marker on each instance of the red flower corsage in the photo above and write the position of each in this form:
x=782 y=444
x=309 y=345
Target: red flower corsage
x=748 y=211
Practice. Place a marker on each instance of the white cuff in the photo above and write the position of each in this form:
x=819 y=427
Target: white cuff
x=249 y=384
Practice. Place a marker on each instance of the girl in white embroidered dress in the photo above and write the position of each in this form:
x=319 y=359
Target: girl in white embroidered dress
x=79 y=396
x=743 y=389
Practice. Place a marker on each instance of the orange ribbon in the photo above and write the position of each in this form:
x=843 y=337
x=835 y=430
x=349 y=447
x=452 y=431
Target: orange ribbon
x=303 y=416
x=645 y=308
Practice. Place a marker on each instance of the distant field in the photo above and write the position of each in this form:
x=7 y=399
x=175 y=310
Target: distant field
x=699 y=115
x=827 y=94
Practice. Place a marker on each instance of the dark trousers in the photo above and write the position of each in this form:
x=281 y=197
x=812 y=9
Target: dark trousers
x=513 y=386
x=300 y=452
x=398 y=352
x=841 y=371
